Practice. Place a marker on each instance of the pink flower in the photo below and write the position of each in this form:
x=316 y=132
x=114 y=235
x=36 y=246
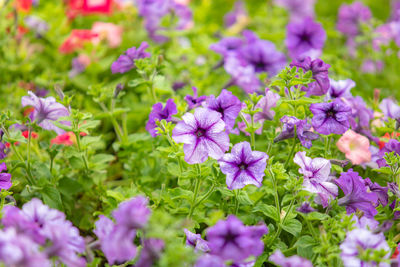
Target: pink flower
x=182 y=2
x=107 y=31
x=355 y=146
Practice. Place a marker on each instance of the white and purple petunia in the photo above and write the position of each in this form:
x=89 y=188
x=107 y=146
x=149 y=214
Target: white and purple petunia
x=45 y=111
x=316 y=177
x=228 y=105
x=294 y=261
x=203 y=135
x=243 y=166
x=359 y=240
x=390 y=108
x=340 y=88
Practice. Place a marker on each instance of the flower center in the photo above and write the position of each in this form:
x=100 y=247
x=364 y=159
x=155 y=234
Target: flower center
x=200 y=132
x=242 y=166
x=331 y=113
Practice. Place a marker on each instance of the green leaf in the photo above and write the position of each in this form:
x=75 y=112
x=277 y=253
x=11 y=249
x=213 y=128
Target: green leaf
x=268 y=210
x=304 y=246
x=316 y=216
x=68 y=186
x=52 y=198
x=173 y=169
x=292 y=226
x=260 y=260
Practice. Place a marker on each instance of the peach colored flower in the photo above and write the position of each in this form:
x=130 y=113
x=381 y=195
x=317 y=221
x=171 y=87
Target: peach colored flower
x=107 y=31
x=355 y=147
x=182 y=2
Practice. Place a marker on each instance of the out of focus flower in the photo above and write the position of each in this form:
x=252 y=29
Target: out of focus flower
x=110 y=32
x=5 y=178
x=359 y=240
x=305 y=208
x=340 y=88
x=195 y=100
x=370 y=66
x=304 y=38
x=66 y=139
x=88 y=7
x=243 y=74
x=266 y=103
x=356 y=195
x=294 y=261
x=25 y=134
x=79 y=65
x=231 y=240
x=17 y=249
x=228 y=105
x=203 y=135
x=151 y=252
x=126 y=61
x=208 y=260
x=298 y=9
x=133 y=213
x=302 y=131
x=159 y=113
x=196 y=241
x=330 y=117
x=390 y=108
x=355 y=147
x=351 y=16
x=227 y=45
x=316 y=177
x=320 y=73
x=243 y=166
x=239 y=12
x=76 y=40
x=37 y=25
x=45 y=111
x=23 y=5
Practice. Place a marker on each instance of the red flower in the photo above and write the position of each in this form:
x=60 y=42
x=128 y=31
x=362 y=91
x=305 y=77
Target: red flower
x=25 y=134
x=67 y=139
x=76 y=40
x=396 y=253
x=387 y=137
x=87 y=7
x=24 y=5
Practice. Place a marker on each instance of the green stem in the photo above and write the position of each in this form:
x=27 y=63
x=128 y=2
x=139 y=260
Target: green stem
x=196 y=191
x=291 y=151
x=28 y=156
x=78 y=142
x=276 y=195
x=278 y=232
x=327 y=145
x=51 y=164
x=252 y=134
x=312 y=230
x=206 y=195
x=237 y=193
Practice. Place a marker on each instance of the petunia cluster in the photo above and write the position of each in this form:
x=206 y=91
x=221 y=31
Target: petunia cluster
x=228 y=240
x=117 y=238
x=37 y=235
x=126 y=61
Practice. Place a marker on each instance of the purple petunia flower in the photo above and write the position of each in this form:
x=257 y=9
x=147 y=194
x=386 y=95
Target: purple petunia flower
x=340 y=88
x=195 y=100
x=350 y=17
x=261 y=54
x=305 y=208
x=196 y=241
x=45 y=111
x=391 y=146
x=228 y=105
x=78 y=65
x=305 y=38
x=234 y=16
x=302 y=131
x=227 y=45
x=37 y=25
x=360 y=111
x=158 y=113
x=17 y=249
x=151 y=252
x=359 y=240
x=203 y=134
x=299 y=9
x=320 y=73
x=231 y=240
x=390 y=108
x=243 y=166
x=116 y=242
x=316 y=177
x=294 y=261
x=266 y=103
x=356 y=195
x=330 y=117
x=126 y=61
x=380 y=191
x=5 y=178
x=47 y=226
x=208 y=260
x=133 y=213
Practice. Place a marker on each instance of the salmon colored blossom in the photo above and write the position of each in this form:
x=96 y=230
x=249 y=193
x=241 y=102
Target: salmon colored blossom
x=107 y=31
x=355 y=147
x=67 y=139
x=23 y=5
x=76 y=40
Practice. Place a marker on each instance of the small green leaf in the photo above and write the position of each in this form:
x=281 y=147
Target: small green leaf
x=292 y=226
x=268 y=210
x=52 y=198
